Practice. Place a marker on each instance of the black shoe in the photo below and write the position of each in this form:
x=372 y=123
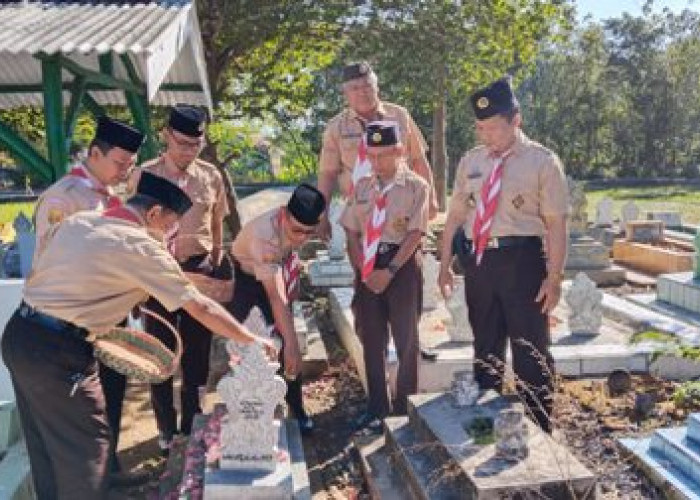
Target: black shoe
x=428 y=354
x=369 y=423
x=128 y=479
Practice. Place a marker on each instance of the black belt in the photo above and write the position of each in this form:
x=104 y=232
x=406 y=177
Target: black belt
x=383 y=247
x=52 y=323
x=465 y=246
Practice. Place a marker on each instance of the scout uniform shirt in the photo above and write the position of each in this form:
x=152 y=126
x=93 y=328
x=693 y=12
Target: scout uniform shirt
x=97 y=268
x=68 y=195
x=533 y=186
x=344 y=132
x=260 y=247
x=406 y=206
x=203 y=184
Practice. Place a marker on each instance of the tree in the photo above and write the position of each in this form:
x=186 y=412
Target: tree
x=428 y=51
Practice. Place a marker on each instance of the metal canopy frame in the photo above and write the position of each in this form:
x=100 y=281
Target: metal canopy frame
x=61 y=116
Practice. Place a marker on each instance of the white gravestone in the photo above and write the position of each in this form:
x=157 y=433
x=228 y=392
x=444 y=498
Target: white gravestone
x=630 y=212
x=431 y=291
x=336 y=247
x=578 y=218
x=26 y=240
x=459 y=328
x=251 y=392
x=585 y=304
x=604 y=212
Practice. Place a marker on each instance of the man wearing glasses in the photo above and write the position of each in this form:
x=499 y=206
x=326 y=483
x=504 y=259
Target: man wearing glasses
x=267 y=276
x=343 y=153
x=196 y=243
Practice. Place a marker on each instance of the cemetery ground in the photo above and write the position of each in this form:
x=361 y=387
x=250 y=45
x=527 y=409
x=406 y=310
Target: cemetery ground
x=588 y=420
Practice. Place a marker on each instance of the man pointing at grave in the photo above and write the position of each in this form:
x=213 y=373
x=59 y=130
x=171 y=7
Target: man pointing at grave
x=507 y=224
x=344 y=151
x=95 y=268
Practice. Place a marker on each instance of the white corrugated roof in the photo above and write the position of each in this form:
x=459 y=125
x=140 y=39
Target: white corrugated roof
x=162 y=38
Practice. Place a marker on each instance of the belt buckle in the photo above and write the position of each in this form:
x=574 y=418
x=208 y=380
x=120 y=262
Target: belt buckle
x=493 y=243
x=383 y=248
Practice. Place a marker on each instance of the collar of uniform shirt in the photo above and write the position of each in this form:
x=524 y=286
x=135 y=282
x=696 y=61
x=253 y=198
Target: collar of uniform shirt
x=97 y=185
x=399 y=177
x=380 y=113
x=174 y=169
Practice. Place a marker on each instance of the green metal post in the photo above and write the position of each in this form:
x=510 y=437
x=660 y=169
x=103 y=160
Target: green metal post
x=93 y=106
x=25 y=153
x=53 y=114
x=76 y=99
x=138 y=105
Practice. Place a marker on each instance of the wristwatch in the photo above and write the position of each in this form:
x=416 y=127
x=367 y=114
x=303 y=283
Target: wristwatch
x=392 y=268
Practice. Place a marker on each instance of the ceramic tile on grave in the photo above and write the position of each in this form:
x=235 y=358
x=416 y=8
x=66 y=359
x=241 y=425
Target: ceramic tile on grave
x=431 y=293
x=681 y=290
x=644 y=231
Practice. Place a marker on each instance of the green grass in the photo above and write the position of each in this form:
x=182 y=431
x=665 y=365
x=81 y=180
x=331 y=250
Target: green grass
x=8 y=211
x=683 y=199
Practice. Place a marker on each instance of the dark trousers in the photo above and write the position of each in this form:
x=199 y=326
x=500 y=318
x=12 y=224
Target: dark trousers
x=501 y=295
x=248 y=292
x=196 y=341
x=67 y=436
x=114 y=388
x=399 y=308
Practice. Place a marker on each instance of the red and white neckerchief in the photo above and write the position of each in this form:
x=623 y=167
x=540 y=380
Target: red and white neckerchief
x=486 y=208
x=373 y=231
x=291 y=270
x=291 y=267
x=362 y=167
x=124 y=213
x=81 y=172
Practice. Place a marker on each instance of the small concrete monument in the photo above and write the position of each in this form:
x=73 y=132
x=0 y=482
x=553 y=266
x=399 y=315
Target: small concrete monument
x=604 y=213
x=578 y=221
x=251 y=392
x=511 y=434
x=431 y=292
x=464 y=390
x=459 y=328
x=585 y=302
x=336 y=247
x=630 y=212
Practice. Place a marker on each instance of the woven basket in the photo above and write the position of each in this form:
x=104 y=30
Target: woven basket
x=138 y=354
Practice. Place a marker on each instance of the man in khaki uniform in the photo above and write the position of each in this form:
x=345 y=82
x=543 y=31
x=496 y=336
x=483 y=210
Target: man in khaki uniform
x=342 y=137
x=388 y=289
x=96 y=267
x=510 y=197
x=267 y=276
x=197 y=245
x=89 y=186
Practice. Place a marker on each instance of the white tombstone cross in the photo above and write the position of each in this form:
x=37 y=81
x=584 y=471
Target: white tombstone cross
x=336 y=247
x=630 y=212
x=578 y=218
x=431 y=292
x=251 y=392
x=459 y=328
x=604 y=212
x=585 y=304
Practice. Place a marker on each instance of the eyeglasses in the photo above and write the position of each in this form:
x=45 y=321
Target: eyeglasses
x=185 y=144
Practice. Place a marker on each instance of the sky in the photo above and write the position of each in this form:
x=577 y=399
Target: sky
x=603 y=9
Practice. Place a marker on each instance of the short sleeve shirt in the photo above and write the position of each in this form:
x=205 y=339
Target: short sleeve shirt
x=96 y=269
x=68 y=195
x=260 y=247
x=533 y=186
x=203 y=184
x=406 y=207
x=343 y=133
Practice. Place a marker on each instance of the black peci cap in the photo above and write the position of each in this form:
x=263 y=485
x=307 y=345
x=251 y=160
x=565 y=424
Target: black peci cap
x=495 y=99
x=306 y=204
x=187 y=120
x=165 y=192
x=382 y=133
x=356 y=70
x=118 y=134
